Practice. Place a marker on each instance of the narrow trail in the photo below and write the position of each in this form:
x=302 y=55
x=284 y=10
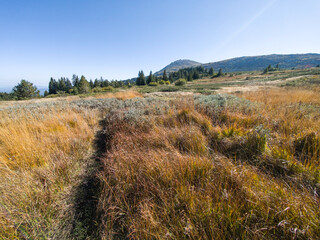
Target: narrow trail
x=82 y=216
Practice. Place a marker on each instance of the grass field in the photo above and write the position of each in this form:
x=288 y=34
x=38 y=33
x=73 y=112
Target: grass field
x=166 y=166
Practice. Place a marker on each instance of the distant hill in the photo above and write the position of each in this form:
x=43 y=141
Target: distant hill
x=255 y=63
x=261 y=62
x=176 y=65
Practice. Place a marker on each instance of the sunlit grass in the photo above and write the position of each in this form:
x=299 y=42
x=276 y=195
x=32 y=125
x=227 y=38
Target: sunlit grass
x=203 y=167
x=41 y=152
x=219 y=172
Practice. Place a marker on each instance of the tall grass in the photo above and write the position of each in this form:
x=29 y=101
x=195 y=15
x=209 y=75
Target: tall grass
x=203 y=167
x=214 y=170
x=41 y=152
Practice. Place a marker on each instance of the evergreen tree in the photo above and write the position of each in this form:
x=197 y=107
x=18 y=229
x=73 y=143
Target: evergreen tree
x=138 y=79
x=196 y=75
x=269 y=68
x=68 y=85
x=62 y=85
x=53 y=86
x=96 y=83
x=25 y=90
x=211 y=71
x=75 y=81
x=165 y=77
x=142 y=78
x=171 y=78
x=220 y=73
x=190 y=78
x=91 y=83
x=105 y=83
x=150 y=78
x=84 y=86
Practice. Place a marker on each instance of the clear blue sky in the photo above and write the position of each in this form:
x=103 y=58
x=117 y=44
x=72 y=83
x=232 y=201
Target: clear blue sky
x=114 y=39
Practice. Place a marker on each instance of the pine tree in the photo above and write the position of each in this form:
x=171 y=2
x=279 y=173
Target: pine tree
x=75 y=81
x=220 y=73
x=53 y=86
x=96 y=83
x=165 y=77
x=142 y=78
x=61 y=85
x=190 y=78
x=68 y=85
x=211 y=71
x=269 y=68
x=150 y=78
x=105 y=83
x=84 y=86
x=91 y=83
x=196 y=75
x=25 y=90
x=171 y=78
x=138 y=79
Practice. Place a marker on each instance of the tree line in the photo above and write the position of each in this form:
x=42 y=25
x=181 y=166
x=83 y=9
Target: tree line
x=80 y=85
x=77 y=85
x=189 y=74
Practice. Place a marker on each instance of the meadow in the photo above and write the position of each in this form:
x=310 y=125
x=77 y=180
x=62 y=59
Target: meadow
x=243 y=165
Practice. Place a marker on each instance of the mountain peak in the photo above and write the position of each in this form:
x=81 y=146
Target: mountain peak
x=178 y=64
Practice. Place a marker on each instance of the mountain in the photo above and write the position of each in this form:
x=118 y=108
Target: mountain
x=176 y=65
x=261 y=62
x=254 y=63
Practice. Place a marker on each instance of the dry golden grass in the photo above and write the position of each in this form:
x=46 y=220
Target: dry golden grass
x=41 y=152
x=281 y=96
x=183 y=178
x=120 y=95
x=223 y=171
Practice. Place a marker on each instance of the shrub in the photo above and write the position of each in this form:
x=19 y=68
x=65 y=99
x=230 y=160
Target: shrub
x=97 y=89
x=170 y=89
x=162 y=82
x=153 y=84
x=180 y=82
x=167 y=82
x=108 y=89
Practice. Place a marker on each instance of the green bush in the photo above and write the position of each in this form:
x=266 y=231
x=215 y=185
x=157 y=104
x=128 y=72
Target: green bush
x=162 y=82
x=167 y=82
x=180 y=82
x=108 y=89
x=153 y=84
x=97 y=89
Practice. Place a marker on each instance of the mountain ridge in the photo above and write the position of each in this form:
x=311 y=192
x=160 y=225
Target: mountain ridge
x=250 y=63
x=178 y=64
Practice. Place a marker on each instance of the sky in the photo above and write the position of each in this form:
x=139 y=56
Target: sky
x=115 y=39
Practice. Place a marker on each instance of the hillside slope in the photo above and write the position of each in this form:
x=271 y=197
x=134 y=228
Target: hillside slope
x=260 y=62
x=176 y=65
x=253 y=63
